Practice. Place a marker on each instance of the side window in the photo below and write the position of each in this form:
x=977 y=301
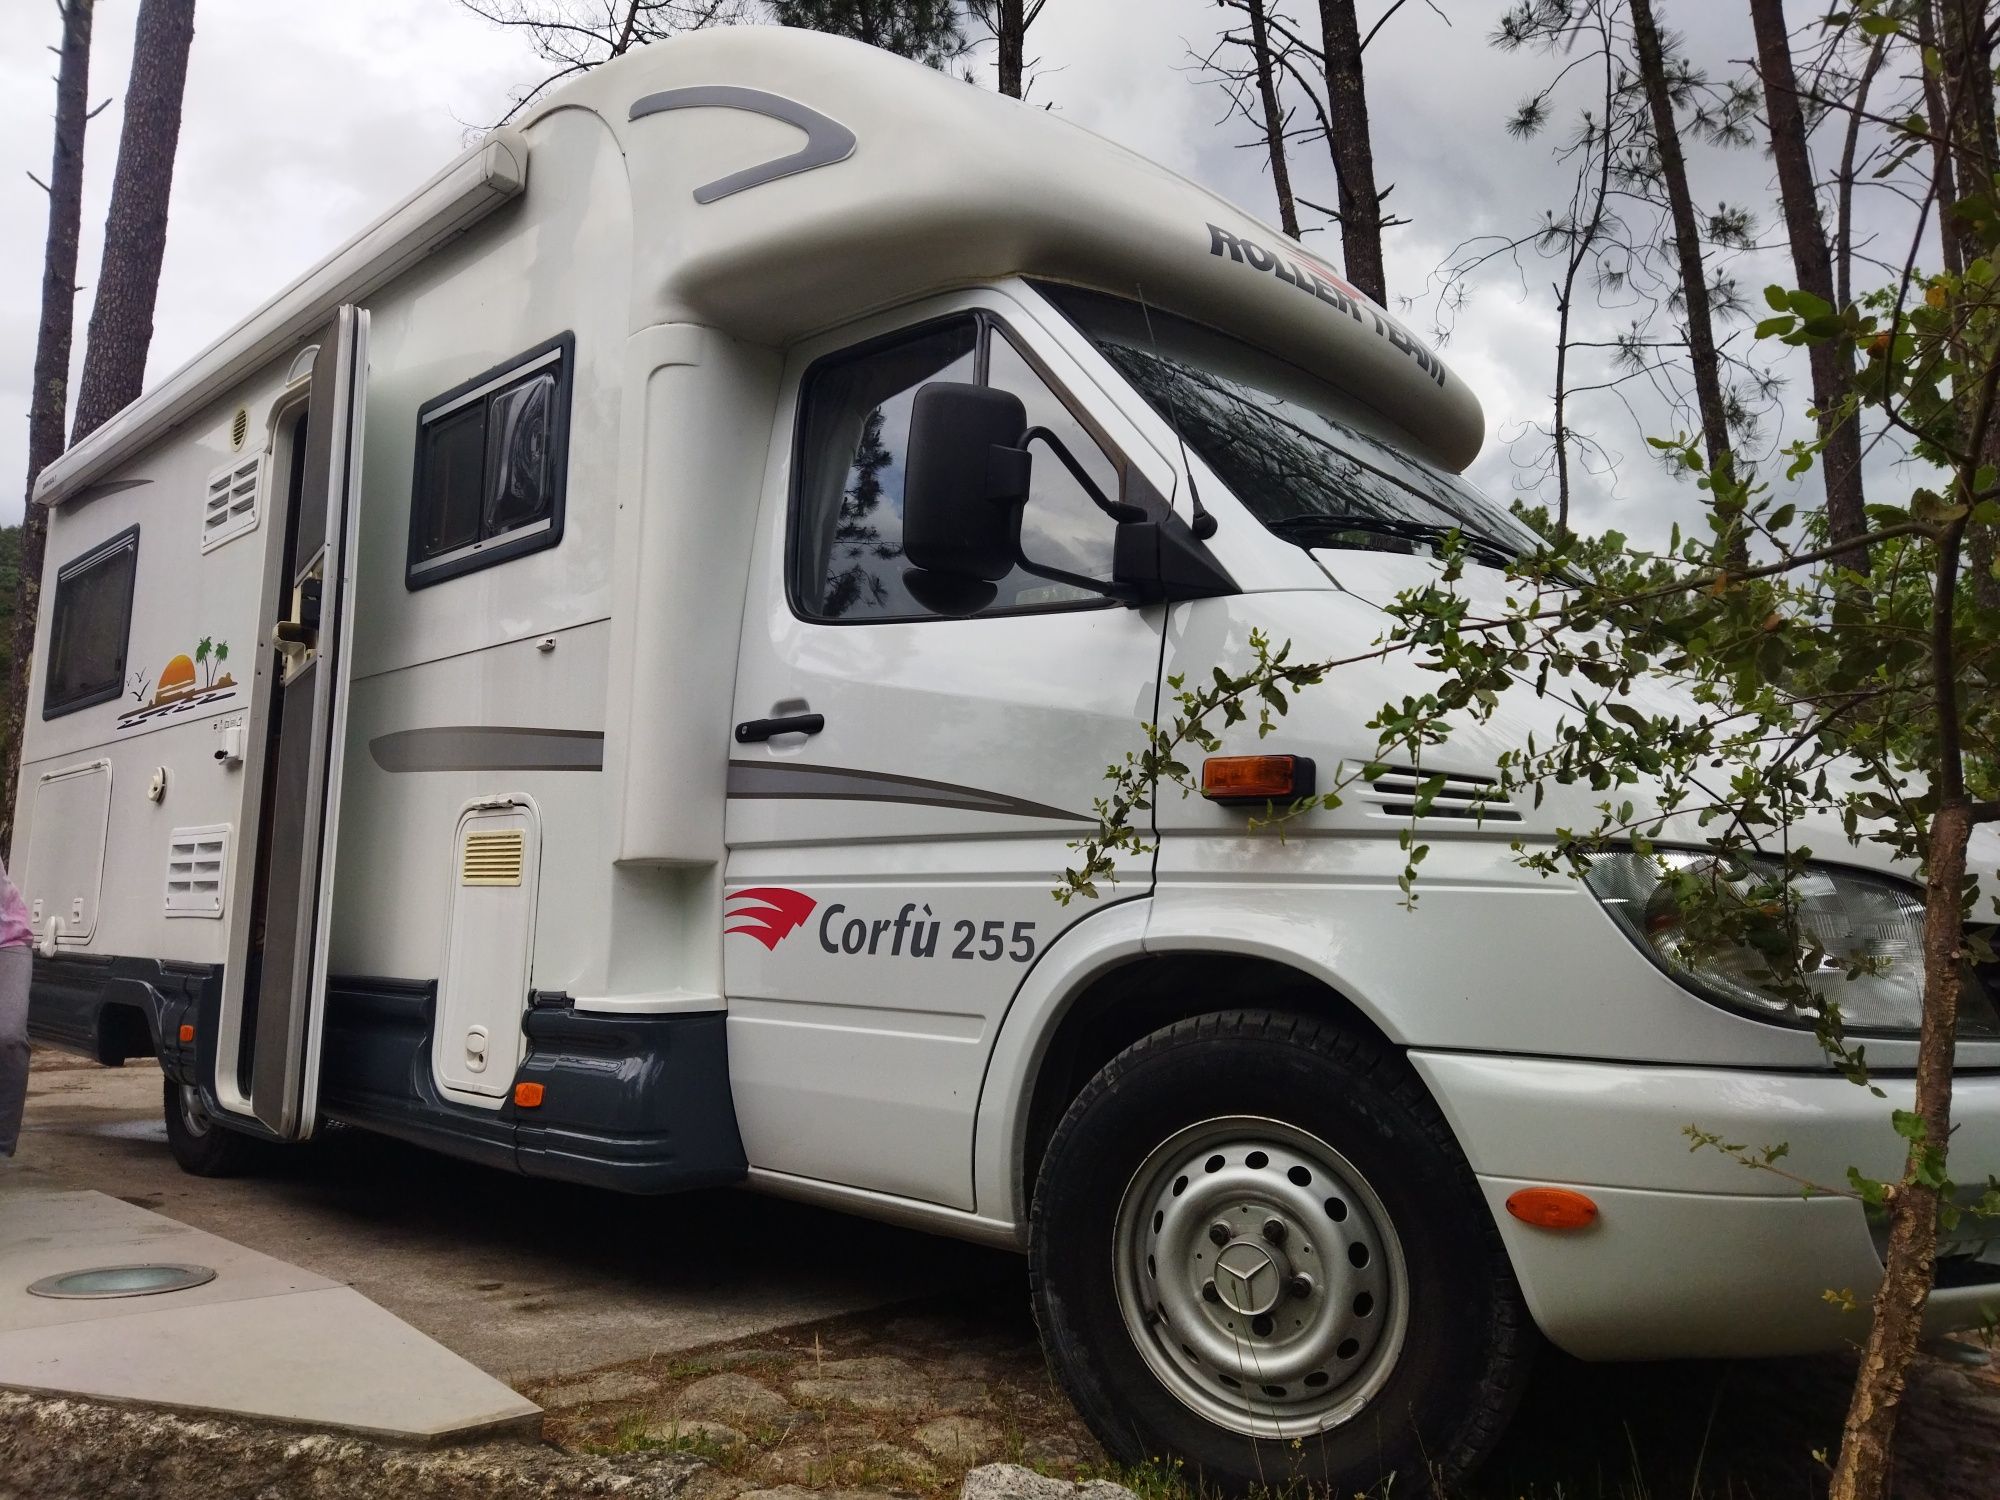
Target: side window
x=492 y=458
x=90 y=625
x=847 y=505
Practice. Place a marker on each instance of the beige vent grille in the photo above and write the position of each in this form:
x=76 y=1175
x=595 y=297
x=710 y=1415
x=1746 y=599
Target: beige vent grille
x=239 y=429
x=493 y=858
x=231 y=505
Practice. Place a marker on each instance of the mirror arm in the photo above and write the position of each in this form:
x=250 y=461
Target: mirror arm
x=1123 y=592
x=1116 y=509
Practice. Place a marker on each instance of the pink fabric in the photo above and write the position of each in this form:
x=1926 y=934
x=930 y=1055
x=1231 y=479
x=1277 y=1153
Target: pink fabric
x=14 y=931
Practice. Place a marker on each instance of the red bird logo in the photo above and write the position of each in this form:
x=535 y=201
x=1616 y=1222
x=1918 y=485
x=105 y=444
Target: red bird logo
x=768 y=913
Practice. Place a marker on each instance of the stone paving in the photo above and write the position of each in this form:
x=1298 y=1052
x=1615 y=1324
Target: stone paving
x=907 y=1404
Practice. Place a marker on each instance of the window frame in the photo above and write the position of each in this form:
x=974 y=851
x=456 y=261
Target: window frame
x=421 y=572
x=987 y=325
x=76 y=567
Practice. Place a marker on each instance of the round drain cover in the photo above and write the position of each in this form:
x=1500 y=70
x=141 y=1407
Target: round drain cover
x=122 y=1281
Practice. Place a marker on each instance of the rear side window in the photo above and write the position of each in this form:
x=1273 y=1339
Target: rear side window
x=492 y=456
x=90 y=624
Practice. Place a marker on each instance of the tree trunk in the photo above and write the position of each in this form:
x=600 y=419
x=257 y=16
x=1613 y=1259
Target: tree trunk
x=1353 y=153
x=1843 y=249
x=1707 y=366
x=1832 y=362
x=1938 y=116
x=1012 y=36
x=1274 y=118
x=1863 y=1470
x=49 y=403
x=135 y=229
x=1968 y=81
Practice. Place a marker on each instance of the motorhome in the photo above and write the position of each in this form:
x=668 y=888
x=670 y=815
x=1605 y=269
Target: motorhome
x=602 y=676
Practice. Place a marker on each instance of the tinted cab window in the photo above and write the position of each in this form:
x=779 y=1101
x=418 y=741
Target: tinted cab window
x=847 y=560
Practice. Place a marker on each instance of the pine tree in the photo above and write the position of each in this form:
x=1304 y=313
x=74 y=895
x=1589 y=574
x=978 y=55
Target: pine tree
x=926 y=31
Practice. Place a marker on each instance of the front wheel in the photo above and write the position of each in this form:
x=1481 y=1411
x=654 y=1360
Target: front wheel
x=203 y=1147
x=1257 y=1249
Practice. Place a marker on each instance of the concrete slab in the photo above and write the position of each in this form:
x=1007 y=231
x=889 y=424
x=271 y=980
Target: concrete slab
x=45 y=1234
x=263 y=1339
x=528 y=1279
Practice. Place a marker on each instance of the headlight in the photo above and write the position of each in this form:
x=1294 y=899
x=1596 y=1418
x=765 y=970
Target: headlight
x=1859 y=938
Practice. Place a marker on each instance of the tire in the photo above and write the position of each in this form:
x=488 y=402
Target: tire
x=201 y=1145
x=1152 y=1248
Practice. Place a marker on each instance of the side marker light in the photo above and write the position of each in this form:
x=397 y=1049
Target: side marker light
x=528 y=1095
x=187 y=1034
x=1552 y=1208
x=1256 y=778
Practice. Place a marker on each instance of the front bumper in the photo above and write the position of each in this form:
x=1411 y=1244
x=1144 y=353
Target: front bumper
x=1694 y=1254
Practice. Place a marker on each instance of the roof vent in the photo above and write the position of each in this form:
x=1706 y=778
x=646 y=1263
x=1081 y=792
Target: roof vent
x=231 y=506
x=1463 y=798
x=197 y=862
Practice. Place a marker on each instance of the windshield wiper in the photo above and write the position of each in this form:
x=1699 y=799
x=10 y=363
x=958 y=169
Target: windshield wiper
x=1314 y=530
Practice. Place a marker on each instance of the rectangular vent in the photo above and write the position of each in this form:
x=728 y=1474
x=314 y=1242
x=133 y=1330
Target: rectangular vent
x=197 y=866
x=230 y=508
x=1476 y=799
x=493 y=858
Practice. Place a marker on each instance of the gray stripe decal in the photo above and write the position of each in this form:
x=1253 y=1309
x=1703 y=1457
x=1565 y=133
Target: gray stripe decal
x=772 y=779
x=827 y=141
x=489 y=747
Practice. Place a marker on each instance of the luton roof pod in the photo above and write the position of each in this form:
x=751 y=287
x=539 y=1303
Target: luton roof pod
x=784 y=182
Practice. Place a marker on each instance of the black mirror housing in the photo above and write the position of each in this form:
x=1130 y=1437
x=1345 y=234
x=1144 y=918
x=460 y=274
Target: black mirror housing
x=966 y=480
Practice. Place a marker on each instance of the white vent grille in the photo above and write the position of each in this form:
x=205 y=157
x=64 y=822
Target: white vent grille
x=494 y=858
x=1475 y=799
x=230 y=508
x=197 y=866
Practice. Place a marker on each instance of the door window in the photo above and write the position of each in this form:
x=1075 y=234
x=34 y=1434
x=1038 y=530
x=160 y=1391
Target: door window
x=847 y=561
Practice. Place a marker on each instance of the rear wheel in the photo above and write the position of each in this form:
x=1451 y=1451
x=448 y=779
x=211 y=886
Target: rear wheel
x=203 y=1146
x=1257 y=1249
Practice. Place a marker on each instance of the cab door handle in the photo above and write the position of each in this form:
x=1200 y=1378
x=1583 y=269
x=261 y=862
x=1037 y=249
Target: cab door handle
x=752 y=730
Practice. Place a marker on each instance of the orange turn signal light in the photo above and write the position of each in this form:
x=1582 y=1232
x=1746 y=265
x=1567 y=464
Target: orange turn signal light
x=187 y=1033
x=1552 y=1208
x=527 y=1095
x=1256 y=778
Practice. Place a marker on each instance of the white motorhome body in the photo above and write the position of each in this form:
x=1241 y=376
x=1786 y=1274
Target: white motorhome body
x=493 y=697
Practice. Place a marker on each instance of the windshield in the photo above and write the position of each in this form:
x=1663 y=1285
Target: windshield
x=1288 y=446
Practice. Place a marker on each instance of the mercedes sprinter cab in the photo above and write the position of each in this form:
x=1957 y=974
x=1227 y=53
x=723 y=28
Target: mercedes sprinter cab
x=602 y=676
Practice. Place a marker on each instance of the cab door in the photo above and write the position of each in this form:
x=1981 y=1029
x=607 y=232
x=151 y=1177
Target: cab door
x=274 y=983
x=908 y=772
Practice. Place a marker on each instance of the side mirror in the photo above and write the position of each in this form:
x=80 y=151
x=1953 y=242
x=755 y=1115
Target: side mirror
x=965 y=481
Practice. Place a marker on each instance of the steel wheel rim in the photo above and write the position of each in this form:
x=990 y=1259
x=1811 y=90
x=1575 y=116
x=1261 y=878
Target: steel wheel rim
x=194 y=1115
x=1271 y=1332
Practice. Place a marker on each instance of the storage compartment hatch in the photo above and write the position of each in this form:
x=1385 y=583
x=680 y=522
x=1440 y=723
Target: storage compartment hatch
x=489 y=950
x=65 y=866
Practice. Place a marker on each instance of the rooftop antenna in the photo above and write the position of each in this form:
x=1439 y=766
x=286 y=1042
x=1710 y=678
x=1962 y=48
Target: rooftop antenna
x=1204 y=523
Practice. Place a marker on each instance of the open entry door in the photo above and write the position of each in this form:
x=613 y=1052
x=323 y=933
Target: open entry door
x=275 y=984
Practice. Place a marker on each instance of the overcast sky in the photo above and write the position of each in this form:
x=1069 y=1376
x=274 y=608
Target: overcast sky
x=307 y=118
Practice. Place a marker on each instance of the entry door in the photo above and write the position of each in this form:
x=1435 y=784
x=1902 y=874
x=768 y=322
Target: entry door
x=278 y=947
x=905 y=783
